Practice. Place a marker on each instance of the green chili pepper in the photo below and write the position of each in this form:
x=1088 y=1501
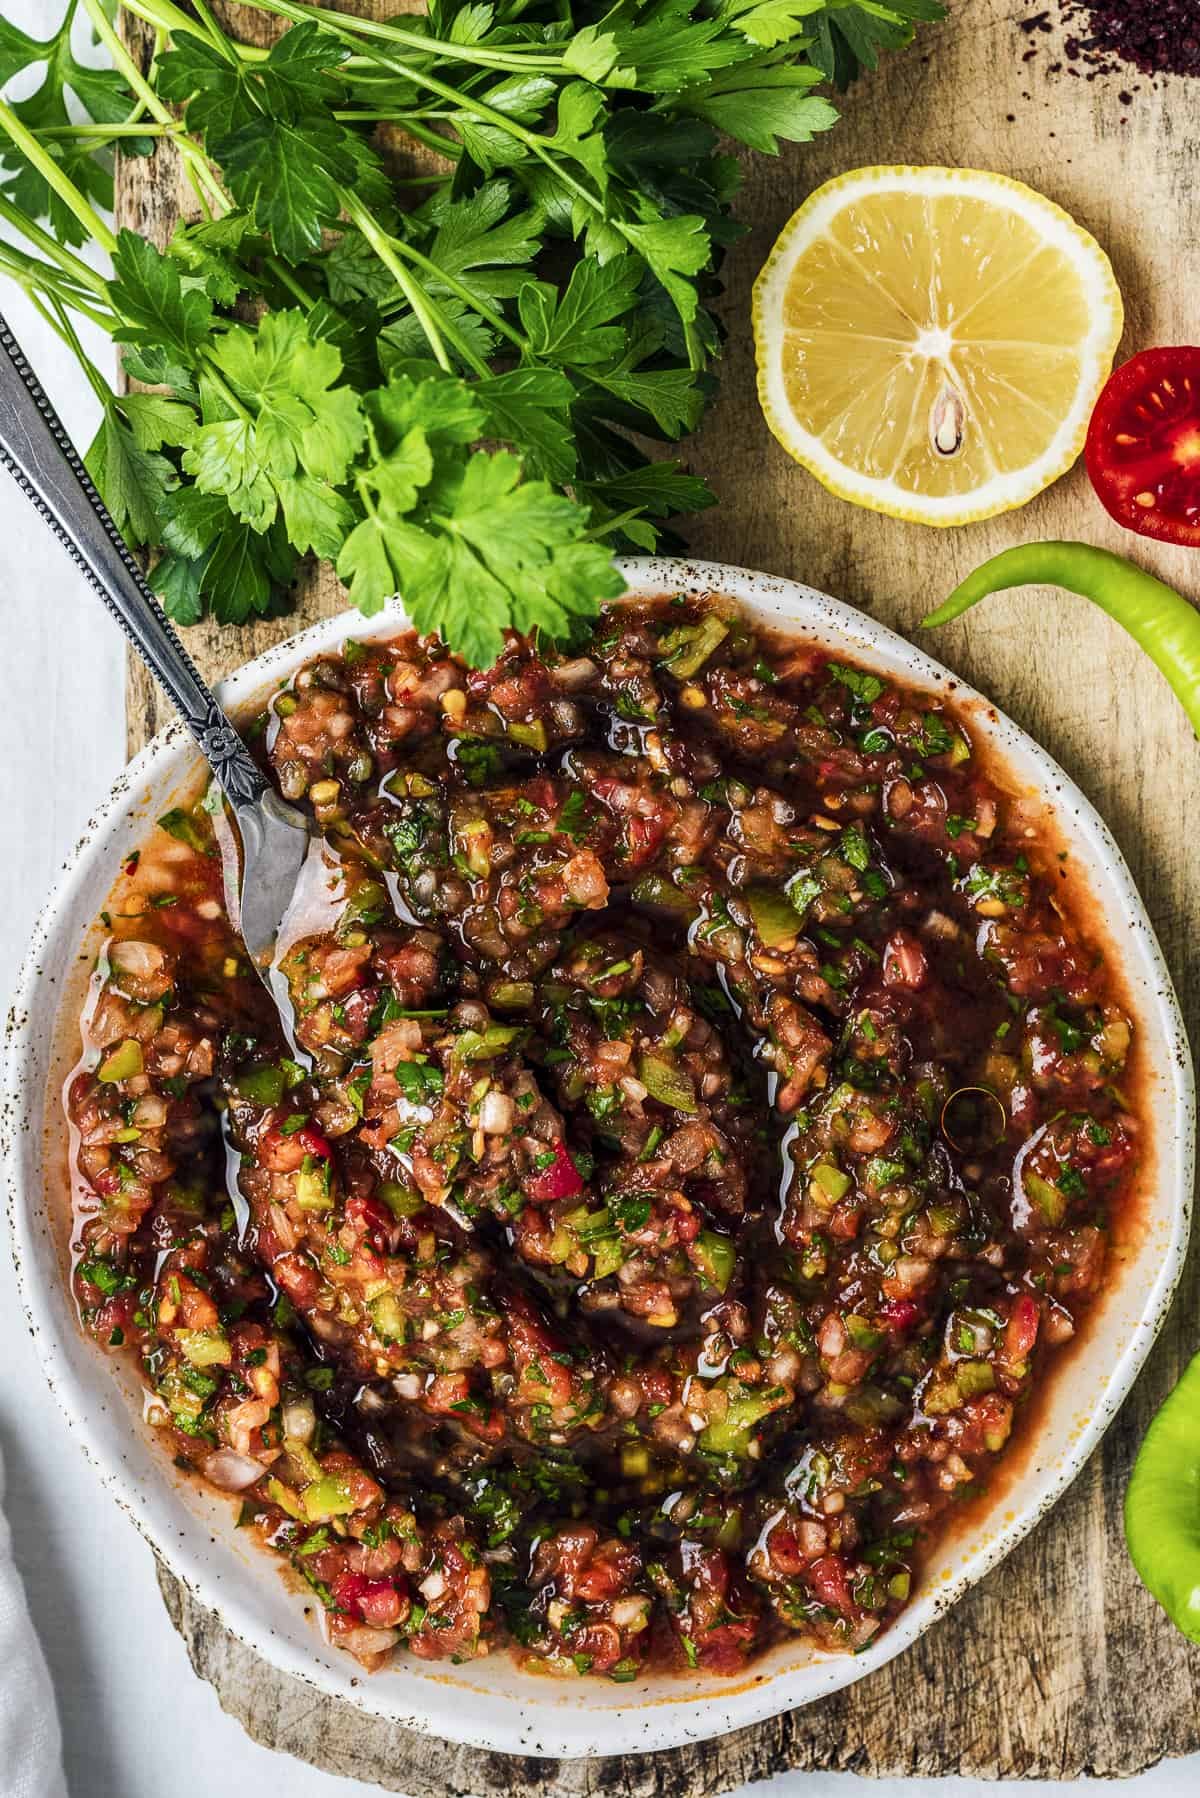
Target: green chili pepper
x=1162 y=1506
x=1161 y=620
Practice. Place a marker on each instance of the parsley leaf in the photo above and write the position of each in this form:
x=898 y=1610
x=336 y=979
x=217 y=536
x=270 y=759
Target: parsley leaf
x=133 y=482
x=101 y=96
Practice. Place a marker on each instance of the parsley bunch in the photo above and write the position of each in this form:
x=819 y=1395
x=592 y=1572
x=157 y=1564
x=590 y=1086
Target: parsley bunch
x=444 y=375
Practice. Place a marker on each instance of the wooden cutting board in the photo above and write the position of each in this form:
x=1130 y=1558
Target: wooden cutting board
x=1057 y=1664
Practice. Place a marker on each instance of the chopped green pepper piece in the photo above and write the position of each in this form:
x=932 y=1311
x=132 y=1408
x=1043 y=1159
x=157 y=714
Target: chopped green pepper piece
x=940 y=1396
x=667 y=1083
x=1050 y=1202
x=327 y=1497
x=511 y=995
x=401 y=1201
x=715 y=1255
x=832 y=1181
x=975 y=1376
x=775 y=917
x=263 y=1086
x=657 y=893
x=609 y=1256
x=689 y=647
x=304 y=1458
x=389 y=1321
x=530 y=736
x=748 y=1405
x=312 y=1186
x=124 y=1063
x=287 y=1501
x=205 y=1348
x=367 y=904
x=861 y=1333
x=485 y=1045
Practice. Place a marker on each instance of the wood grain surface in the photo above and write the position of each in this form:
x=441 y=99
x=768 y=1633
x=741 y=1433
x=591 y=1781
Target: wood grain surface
x=1058 y=1664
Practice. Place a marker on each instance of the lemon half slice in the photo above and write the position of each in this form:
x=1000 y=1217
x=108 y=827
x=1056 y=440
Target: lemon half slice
x=931 y=341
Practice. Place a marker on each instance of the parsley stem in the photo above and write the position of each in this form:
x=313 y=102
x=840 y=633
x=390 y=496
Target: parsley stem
x=169 y=18
x=55 y=179
x=411 y=125
x=616 y=523
x=126 y=66
x=218 y=38
x=287 y=278
x=103 y=132
x=36 y=278
x=68 y=333
x=412 y=291
x=496 y=319
x=198 y=167
x=513 y=59
x=212 y=370
x=71 y=265
x=55 y=316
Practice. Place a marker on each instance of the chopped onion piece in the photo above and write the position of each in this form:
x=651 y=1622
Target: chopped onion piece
x=231 y=1471
x=299 y=1419
x=366 y=1641
x=496 y=1114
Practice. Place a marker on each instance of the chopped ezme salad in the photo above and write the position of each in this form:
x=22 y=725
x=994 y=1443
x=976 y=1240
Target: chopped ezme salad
x=704 y=1121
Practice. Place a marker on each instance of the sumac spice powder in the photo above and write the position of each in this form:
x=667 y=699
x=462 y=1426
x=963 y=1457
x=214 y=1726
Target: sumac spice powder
x=1161 y=37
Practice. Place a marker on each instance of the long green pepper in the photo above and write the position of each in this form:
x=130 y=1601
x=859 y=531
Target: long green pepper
x=1162 y=1506
x=1162 y=621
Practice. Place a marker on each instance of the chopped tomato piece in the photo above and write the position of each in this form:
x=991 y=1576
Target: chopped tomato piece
x=313 y=1142
x=561 y=1180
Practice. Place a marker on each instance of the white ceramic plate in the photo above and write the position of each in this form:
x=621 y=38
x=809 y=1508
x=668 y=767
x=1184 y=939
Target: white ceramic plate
x=489 y=1704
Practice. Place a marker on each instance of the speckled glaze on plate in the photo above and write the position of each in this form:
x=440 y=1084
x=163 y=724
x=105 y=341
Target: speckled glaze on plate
x=489 y=1704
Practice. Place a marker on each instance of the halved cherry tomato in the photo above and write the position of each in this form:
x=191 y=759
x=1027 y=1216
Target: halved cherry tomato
x=1143 y=445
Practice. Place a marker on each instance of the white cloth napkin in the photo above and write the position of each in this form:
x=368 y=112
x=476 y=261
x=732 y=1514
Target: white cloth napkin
x=30 y=1739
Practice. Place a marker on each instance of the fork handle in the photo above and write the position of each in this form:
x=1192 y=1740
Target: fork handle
x=38 y=453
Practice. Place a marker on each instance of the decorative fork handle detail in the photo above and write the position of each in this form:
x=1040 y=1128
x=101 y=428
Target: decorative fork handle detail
x=40 y=456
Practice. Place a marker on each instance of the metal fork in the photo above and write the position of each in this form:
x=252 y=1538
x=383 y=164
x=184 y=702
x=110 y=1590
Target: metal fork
x=38 y=453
